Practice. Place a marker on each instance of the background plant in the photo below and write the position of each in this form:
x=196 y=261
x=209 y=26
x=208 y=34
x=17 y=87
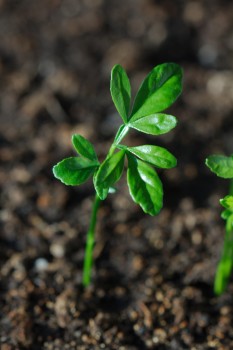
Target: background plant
x=157 y=92
x=222 y=166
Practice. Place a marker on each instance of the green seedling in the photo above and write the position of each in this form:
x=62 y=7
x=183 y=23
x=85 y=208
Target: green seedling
x=222 y=166
x=158 y=91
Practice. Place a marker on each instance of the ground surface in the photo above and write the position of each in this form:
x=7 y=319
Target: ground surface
x=153 y=276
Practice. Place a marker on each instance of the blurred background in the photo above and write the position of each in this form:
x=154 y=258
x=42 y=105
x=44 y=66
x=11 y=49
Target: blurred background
x=55 y=62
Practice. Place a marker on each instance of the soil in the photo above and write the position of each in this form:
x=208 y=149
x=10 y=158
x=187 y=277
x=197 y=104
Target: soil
x=152 y=285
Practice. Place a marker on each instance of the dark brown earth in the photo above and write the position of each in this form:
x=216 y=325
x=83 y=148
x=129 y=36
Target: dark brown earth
x=153 y=276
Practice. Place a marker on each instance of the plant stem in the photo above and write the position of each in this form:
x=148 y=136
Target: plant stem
x=88 y=260
x=121 y=133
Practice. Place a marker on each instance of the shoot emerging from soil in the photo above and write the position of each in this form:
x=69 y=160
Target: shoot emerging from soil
x=158 y=91
x=222 y=166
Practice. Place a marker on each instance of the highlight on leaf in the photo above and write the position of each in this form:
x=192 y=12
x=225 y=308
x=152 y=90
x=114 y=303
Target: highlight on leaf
x=155 y=124
x=155 y=155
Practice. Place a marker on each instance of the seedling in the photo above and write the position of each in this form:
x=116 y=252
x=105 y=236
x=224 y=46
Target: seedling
x=222 y=166
x=158 y=91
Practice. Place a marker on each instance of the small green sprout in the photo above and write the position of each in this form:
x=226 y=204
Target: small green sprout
x=159 y=90
x=222 y=166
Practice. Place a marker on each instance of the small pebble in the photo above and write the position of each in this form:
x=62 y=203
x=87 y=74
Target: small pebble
x=41 y=264
x=57 y=250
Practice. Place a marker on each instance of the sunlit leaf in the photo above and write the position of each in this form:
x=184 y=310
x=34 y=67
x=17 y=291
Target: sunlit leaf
x=155 y=124
x=155 y=155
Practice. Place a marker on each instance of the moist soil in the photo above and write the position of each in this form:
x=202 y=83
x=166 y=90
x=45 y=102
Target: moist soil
x=152 y=283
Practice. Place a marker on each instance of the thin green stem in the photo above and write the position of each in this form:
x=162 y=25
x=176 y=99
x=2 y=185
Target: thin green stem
x=88 y=260
x=121 y=133
x=225 y=264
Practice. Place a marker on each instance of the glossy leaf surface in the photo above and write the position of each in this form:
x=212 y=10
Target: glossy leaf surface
x=145 y=186
x=120 y=91
x=155 y=155
x=109 y=173
x=84 y=147
x=155 y=124
x=221 y=165
x=74 y=170
x=158 y=91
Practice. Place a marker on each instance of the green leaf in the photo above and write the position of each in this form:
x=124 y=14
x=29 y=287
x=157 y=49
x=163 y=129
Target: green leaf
x=84 y=147
x=221 y=165
x=225 y=214
x=74 y=170
x=121 y=91
x=227 y=202
x=109 y=173
x=145 y=186
x=155 y=124
x=158 y=91
x=155 y=155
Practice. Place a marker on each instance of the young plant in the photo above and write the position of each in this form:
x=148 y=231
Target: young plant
x=222 y=166
x=158 y=91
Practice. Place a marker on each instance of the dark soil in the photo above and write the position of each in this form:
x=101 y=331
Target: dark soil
x=153 y=276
